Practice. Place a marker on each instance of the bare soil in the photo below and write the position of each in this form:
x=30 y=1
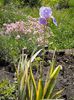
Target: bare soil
x=66 y=76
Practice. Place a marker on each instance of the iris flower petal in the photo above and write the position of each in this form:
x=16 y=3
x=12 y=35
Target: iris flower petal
x=45 y=12
x=42 y=21
x=54 y=20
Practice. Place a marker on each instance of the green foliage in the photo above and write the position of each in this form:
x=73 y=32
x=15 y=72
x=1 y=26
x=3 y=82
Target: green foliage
x=59 y=3
x=23 y=78
x=1 y=3
x=10 y=48
x=10 y=13
x=7 y=2
x=4 y=2
x=50 y=3
x=30 y=3
x=31 y=89
x=6 y=90
x=63 y=34
x=64 y=3
x=71 y=3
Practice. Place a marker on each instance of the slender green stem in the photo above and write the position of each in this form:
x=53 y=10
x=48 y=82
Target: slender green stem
x=44 y=40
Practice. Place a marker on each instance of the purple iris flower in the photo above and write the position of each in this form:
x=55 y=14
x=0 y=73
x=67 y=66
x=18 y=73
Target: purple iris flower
x=45 y=12
x=43 y=21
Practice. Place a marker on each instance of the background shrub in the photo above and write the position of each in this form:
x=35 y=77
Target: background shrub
x=30 y=3
x=7 y=2
x=10 y=13
x=63 y=3
x=50 y=3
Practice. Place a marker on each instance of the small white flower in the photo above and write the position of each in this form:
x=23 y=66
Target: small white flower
x=17 y=37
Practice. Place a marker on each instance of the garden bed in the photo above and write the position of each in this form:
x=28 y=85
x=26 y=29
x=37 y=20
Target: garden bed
x=66 y=76
x=23 y=29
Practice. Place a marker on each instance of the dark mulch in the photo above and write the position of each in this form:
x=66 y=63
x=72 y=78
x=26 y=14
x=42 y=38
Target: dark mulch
x=66 y=76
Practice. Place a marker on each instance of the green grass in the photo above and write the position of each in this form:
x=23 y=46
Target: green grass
x=10 y=13
x=63 y=34
x=71 y=3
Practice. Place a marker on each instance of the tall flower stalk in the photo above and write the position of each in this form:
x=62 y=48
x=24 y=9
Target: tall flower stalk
x=45 y=14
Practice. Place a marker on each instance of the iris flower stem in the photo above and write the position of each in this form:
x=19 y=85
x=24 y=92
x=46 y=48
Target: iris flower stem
x=44 y=39
x=41 y=65
x=44 y=42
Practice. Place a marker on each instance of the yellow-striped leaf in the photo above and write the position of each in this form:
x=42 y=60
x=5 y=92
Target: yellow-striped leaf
x=39 y=90
x=33 y=82
x=48 y=89
x=56 y=72
x=57 y=94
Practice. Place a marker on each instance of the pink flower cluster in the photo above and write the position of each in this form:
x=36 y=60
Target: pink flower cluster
x=17 y=27
x=31 y=26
